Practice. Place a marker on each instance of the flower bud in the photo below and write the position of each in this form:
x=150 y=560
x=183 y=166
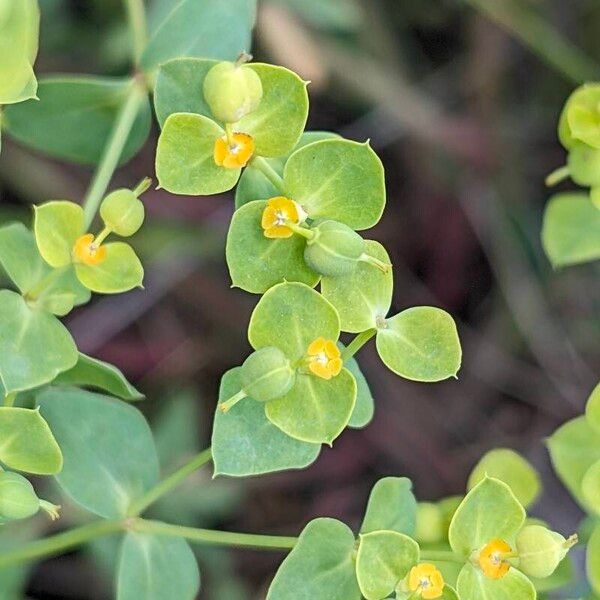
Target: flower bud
x=267 y=374
x=430 y=523
x=334 y=249
x=584 y=165
x=541 y=550
x=122 y=211
x=18 y=499
x=232 y=90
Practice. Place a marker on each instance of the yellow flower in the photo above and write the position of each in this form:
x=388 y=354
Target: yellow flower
x=236 y=154
x=324 y=358
x=426 y=581
x=278 y=211
x=85 y=251
x=492 y=559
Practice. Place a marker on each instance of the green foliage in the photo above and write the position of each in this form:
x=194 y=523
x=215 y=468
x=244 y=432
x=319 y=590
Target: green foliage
x=155 y=568
x=18 y=499
x=365 y=404
x=109 y=454
x=473 y=585
x=593 y=559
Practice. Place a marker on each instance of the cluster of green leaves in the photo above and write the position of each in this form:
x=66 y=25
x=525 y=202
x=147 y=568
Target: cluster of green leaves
x=397 y=534
x=571 y=230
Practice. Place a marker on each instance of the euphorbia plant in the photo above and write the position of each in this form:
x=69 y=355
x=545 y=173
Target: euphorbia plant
x=301 y=199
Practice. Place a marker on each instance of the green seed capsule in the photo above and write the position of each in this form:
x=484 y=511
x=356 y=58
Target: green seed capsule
x=18 y=499
x=334 y=250
x=123 y=212
x=267 y=374
x=430 y=523
x=541 y=550
x=584 y=165
x=232 y=90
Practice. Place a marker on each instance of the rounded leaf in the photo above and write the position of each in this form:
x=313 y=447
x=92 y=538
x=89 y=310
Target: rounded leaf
x=245 y=442
x=593 y=559
x=592 y=409
x=392 y=506
x=57 y=225
x=257 y=263
x=473 y=585
x=119 y=272
x=362 y=298
x=590 y=487
x=18 y=499
x=290 y=316
x=421 y=344
x=337 y=179
x=365 y=405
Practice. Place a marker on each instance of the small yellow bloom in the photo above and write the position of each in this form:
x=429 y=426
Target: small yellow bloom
x=236 y=154
x=278 y=211
x=85 y=251
x=426 y=581
x=492 y=559
x=324 y=358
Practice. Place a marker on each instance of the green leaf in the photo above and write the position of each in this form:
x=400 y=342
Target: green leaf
x=57 y=225
x=20 y=258
x=184 y=157
x=339 y=180
x=420 y=343
x=362 y=298
x=94 y=373
x=392 y=507
x=109 y=454
x=320 y=567
x=592 y=408
x=489 y=511
x=590 y=487
x=119 y=272
x=290 y=316
x=75 y=117
x=27 y=444
x=257 y=263
x=62 y=291
x=473 y=585
x=210 y=28
x=384 y=558
x=34 y=345
x=511 y=468
x=593 y=559
x=278 y=122
x=315 y=410
x=155 y=568
x=571 y=229
x=574 y=448
x=365 y=405
x=245 y=442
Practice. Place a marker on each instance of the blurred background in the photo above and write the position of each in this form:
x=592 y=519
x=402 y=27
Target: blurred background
x=460 y=98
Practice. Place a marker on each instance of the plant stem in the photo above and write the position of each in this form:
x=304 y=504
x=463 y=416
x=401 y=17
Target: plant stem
x=113 y=150
x=231 y=402
x=9 y=399
x=167 y=484
x=220 y=538
x=58 y=543
x=136 y=16
x=303 y=231
x=442 y=556
x=357 y=343
x=259 y=163
x=558 y=175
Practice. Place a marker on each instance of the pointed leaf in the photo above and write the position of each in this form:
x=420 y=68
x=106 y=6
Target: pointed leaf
x=420 y=343
x=392 y=506
x=57 y=225
x=320 y=567
x=315 y=410
x=339 y=180
x=473 y=585
x=245 y=442
x=155 y=568
x=34 y=345
x=26 y=442
x=109 y=454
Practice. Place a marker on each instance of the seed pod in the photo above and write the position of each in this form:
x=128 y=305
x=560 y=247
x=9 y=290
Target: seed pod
x=18 y=499
x=123 y=212
x=584 y=165
x=232 y=90
x=334 y=250
x=430 y=523
x=267 y=374
x=541 y=550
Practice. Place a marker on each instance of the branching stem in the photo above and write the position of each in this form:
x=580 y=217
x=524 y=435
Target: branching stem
x=357 y=343
x=259 y=163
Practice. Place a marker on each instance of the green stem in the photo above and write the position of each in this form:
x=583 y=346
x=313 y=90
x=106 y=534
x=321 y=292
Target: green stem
x=102 y=236
x=167 y=484
x=37 y=290
x=113 y=150
x=378 y=264
x=259 y=163
x=357 y=343
x=219 y=538
x=136 y=16
x=557 y=176
x=441 y=556
x=303 y=231
x=231 y=402
x=9 y=399
x=142 y=186
x=59 y=543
